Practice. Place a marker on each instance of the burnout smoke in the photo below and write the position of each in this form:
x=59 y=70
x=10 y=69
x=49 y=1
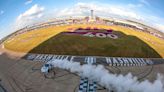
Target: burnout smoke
x=120 y=83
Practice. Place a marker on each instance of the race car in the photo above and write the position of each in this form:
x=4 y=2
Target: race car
x=46 y=68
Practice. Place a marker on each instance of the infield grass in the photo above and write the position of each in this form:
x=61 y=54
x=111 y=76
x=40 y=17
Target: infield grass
x=131 y=43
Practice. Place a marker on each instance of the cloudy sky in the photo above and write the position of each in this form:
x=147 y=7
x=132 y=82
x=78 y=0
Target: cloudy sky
x=15 y=14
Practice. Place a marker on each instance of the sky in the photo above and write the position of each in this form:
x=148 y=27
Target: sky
x=15 y=14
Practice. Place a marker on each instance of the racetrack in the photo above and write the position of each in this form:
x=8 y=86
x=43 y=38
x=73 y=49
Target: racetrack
x=20 y=75
x=131 y=42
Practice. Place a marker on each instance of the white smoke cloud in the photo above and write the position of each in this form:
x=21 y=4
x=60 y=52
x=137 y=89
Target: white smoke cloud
x=119 y=83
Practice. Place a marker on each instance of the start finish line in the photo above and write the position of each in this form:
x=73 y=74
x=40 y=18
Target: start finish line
x=87 y=85
x=110 y=61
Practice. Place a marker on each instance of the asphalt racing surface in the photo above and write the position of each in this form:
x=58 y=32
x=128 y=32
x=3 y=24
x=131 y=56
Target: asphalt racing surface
x=20 y=75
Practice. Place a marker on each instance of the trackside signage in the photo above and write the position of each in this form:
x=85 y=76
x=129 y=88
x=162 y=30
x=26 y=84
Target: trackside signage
x=88 y=32
x=111 y=61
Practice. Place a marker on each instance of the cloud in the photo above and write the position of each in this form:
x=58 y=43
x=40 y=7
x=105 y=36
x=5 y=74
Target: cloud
x=160 y=27
x=155 y=22
x=1 y=12
x=29 y=16
x=36 y=12
x=28 y=2
x=145 y=2
x=69 y=12
x=101 y=10
x=135 y=5
x=124 y=12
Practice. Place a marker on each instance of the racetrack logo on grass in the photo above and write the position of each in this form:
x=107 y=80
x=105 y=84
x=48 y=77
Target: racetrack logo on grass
x=95 y=32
